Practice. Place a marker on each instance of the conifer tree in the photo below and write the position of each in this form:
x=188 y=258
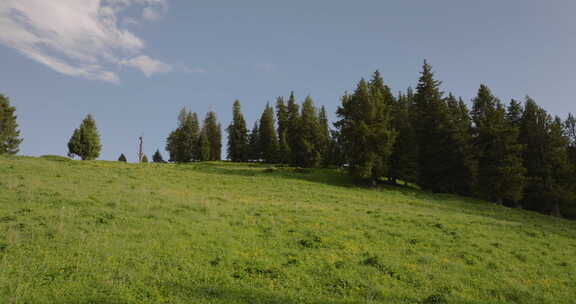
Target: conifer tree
x=214 y=135
x=366 y=131
x=268 y=139
x=325 y=140
x=182 y=143
x=514 y=113
x=501 y=175
x=284 y=150
x=122 y=158
x=431 y=123
x=404 y=158
x=144 y=159
x=254 y=153
x=205 y=145
x=309 y=141
x=237 y=136
x=570 y=131
x=9 y=134
x=85 y=141
x=293 y=129
x=157 y=157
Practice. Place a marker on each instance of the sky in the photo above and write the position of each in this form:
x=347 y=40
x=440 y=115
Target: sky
x=133 y=64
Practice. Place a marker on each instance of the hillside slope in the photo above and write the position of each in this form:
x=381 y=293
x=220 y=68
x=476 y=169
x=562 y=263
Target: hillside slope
x=108 y=232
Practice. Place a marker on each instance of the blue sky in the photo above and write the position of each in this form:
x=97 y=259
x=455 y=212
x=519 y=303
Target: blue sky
x=134 y=63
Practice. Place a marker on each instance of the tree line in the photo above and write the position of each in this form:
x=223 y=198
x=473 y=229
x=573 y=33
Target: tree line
x=513 y=154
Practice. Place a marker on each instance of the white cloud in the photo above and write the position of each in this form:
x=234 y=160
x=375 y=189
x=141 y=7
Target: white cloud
x=147 y=65
x=78 y=37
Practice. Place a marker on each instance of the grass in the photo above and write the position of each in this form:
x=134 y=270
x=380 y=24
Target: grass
x=109 y=232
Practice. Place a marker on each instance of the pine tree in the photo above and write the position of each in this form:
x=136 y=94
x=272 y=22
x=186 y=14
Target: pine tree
x=9 y=134
x=325 y=140
x=431 y=123
x=237 y=136
x=310 y=138
x=404 y=158
x=122 y=158
x=157 y=157
x=514 y=113
x=85 y=141
x=144 y=159
x=254 y=149
x=268 y=138
x=501 y=175
x=293 y=129
x=365 y=129
x=214 y=134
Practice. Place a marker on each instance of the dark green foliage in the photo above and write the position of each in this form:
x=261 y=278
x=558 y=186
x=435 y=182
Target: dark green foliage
x=432 y=124
x=254 y=149
x=182 y=143
x=122 y=158
x=237 y=136
x=268 y=139
x=293 y=129
x=213 y=132
x=284 y=151
x=324 y=133
x=570 y=131
x=9 y=134
x=157 y=157
x=204 y=146
x=144 y=159
x=404 y=158
x=85 y=141
x=365 y=129
x=514 y=113
x=309 y=154
x=500 y=170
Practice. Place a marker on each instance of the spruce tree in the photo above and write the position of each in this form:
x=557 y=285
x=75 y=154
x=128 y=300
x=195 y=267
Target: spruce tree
x=501 y=175
x=366 y=131
x=254 y=148
x=144 y=159
x=85 y=141
x=293 y=129
x=205 y=145
x=431 y=123
x=122 y=158
x=214 y=134
x=157 y=157
x=182 y=143
x=310 y=139
x=514 y=113
x=325 y=140
x=284 y=150
x=237 y=136
x=570 y=131
x=404 y=158
x=268 y=139
x=9 y=134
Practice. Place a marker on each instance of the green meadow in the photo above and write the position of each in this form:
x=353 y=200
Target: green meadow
x=110 y=232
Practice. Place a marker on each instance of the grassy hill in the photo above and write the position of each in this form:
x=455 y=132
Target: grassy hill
x=108 y=232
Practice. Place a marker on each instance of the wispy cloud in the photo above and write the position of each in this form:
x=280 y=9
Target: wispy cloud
x=80 y=37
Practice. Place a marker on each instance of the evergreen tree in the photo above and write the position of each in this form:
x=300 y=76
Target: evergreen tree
x=284 y=150
x=365 y=129
x=570 y=131
x=500 y=170
x=254 y=148
x=85 y=141
x=144 y=159
x=182 y=143
x=431 y=123
x=293 y=129
x=122 y=158
x=237 y=136
x=9 y=134
x=205 y=145
x=514 y=113
x=213 y=132
x=268 y=138
x=404 y=158
x=325 y=139
x=310 y=139
x=157 y=157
